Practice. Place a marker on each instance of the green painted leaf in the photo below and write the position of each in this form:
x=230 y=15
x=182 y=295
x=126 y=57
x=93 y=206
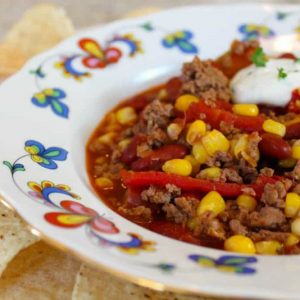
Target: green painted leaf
x=53 y=153
x=18 y=169
x=56 y=105
x=8 y=164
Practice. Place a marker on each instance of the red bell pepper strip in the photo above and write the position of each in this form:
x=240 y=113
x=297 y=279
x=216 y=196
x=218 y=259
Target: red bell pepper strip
x=214 y=116
x=192 y=184
x=157 y=157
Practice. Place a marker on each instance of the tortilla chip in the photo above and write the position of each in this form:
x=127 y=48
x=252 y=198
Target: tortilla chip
x=96 y=285
x=142 y=12
x=13 y=236
x=40 y=28
x=11 y=59
x=39 y=272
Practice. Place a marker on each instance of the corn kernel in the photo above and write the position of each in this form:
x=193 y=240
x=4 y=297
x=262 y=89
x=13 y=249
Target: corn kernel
x=292 y=205
x=292 y=239
x=287 y=163
x=124 y=143
x=162 y=94
x=211 y=173
x=245 y=109
x=268 y=247
x=295 y=226
x=274 y=127
x=183 y=102
x=126 y=115
x=174 y=130
x=246 y=201
x=296 y=150
x=196 y=130
x=215 y=141
x=240 y=243
x=104 y=183
x=240 y=145
x=199 y=153
x=177 y=166
x=212 y=202
x=107 y=138
x=191 y=224
x=100 y=160
x=233 y=144
x=194 y=163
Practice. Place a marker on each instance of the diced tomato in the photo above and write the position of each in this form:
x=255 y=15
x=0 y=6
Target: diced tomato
x=294 y=104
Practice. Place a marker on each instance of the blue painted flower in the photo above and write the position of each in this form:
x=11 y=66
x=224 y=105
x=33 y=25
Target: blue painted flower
x=52 y=97
x=180 y=39
x=226 y=263
x=254 y=31
x=45 y=157
x=133 y=44
x=66 y=65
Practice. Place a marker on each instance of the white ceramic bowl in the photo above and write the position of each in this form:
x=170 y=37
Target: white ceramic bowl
x=49 y=109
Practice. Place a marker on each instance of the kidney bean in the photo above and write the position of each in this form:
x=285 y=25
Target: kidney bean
x=293 y=131
x=288 y=55
x=274 y=146
x=156 y=158
x=129 y=154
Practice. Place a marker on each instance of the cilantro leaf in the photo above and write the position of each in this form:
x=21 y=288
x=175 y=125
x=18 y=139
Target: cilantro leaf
x=281 y=73
x=259 y=58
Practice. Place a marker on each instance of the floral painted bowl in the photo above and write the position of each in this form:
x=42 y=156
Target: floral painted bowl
x=49 y=109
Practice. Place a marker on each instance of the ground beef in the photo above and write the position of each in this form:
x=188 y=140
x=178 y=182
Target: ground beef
x=266 y=235
x=160 y=195
x=108 y=170
x=237 y=228
x=235 y=59
x=220 y=158
x=296 y=189
x=233 y=211
x=295 y=174
x=266 y=172
x=157 y=114
x=157 y=137
x=228 y=129
x=251 y=153
x=203 y=80
x=274 y=194
x=208 y=226
x=249 y=173
x=139 y=213
x=181 y=210
x=267 y=218
x=143 y=150
x=231 y=175
x=240 y=47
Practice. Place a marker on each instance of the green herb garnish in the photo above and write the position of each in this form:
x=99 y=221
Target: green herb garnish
x=281 y=73
x=259 y=57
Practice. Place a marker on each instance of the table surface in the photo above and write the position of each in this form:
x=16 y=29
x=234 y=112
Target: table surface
x=90 y=12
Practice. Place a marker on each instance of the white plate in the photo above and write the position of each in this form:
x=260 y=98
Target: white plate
x=33 y=120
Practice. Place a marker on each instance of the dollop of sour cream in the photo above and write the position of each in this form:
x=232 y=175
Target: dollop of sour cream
x=263 y=85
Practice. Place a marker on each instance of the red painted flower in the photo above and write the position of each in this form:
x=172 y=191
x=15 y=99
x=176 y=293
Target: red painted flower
x=79 y=215
x=98 y=57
